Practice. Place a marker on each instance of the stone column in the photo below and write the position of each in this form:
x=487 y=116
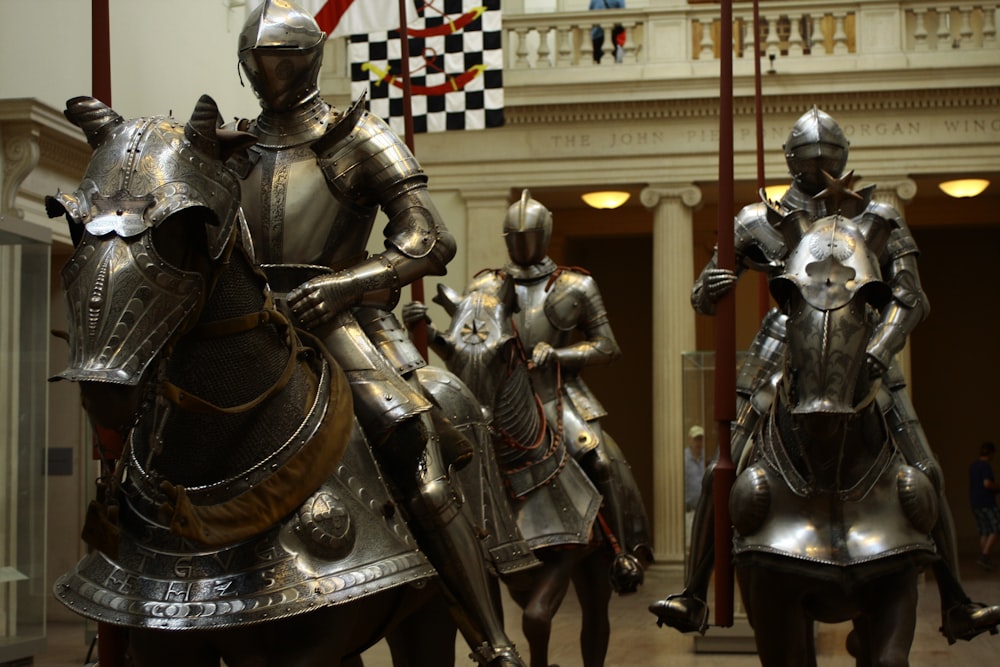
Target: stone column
x=673 y=334
x=898 y=191
x=485 y=209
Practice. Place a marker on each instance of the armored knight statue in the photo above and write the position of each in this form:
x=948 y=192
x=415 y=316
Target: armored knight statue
x=311 y=191
x=816 y=153
x=553 y=304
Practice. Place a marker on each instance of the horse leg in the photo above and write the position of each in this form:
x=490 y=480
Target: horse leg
x=593 y=590
x=891 y=620
x=781 y=630
x=541 y=600
x=426 y=638
x=163 y=648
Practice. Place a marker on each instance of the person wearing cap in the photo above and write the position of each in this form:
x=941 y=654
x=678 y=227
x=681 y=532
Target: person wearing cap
x=694 y=467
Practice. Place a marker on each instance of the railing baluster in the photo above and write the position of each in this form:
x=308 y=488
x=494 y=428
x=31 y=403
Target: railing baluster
x=544 y=52
x=707 y=45
x=920 y=30
x=839 y=33
x=795 y=37
x=965 y=28
x=943 y=28
x=989 y=26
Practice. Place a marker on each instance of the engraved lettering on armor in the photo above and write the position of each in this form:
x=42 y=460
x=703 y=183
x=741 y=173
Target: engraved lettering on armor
x=120 y=581
x=224 y=559
x=177 y=591
x=268 y=578
x=222 y=588
x=182 y=567
x=266 y=550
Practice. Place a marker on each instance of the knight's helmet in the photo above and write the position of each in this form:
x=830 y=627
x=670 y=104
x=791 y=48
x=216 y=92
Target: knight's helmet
x=527 y=228
x=815 y=144
x=281 y=51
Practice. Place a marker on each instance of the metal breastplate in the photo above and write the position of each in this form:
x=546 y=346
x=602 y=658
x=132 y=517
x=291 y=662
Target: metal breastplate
x=545 y=315
x=288 y=206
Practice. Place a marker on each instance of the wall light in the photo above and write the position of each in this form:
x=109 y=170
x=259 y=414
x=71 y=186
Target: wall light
x=964 y=187
x=606 y=198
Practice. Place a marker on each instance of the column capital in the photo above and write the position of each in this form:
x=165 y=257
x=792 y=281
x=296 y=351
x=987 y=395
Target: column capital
x=480 y=196
x=902 y=187
x=688 y=193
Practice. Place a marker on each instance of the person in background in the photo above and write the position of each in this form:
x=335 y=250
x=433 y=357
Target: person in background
x=617 y=33
x=694 y=467
x=694 y=472
x=983 y=490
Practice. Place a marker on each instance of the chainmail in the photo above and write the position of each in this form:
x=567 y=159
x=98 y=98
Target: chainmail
x=227 y=371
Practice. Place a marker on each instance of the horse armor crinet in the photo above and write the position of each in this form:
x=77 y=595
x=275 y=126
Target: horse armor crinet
x=247 y=502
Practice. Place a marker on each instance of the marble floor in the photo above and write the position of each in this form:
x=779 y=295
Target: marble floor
x=637 y=642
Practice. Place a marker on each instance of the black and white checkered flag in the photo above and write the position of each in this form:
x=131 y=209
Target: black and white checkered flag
x=456 y=68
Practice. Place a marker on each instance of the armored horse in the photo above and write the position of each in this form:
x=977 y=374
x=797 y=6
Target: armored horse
x=830 y=523
x=246 y=521
x=555 y=505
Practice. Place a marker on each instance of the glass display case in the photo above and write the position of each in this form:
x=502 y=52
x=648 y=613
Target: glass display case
x=699 y=408
x=24 y=344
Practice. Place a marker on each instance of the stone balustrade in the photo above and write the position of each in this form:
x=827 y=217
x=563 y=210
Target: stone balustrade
x=800 y=30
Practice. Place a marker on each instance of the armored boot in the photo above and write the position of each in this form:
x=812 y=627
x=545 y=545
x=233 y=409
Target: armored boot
x=448 y=538
x=961 y=618
x=687 y=611
x=627 y=572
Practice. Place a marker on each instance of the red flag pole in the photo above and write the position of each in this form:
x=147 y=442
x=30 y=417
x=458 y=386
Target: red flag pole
x=111 y=639
x=763 y=295
x=100 y=50
x=419 y=331
x=725 y=332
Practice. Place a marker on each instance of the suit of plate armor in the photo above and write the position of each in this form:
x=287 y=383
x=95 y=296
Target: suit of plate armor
x=816 y=153
x=311 y=191
x=554 y=303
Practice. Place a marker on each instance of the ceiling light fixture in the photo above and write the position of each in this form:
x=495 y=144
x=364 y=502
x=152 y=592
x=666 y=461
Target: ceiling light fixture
x=606 y=198
x=964 y=187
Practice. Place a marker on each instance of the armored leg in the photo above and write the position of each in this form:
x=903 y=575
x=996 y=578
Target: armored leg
x=961 y=618
x=448 y=538
x=688 y=610
x=626 y=571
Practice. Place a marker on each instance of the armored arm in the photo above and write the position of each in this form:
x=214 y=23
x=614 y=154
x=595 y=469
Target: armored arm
x=415 y=312
x=908 y=306
x=367 y=166
x=756 y=244
x=712 y=285
x=576 y=303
